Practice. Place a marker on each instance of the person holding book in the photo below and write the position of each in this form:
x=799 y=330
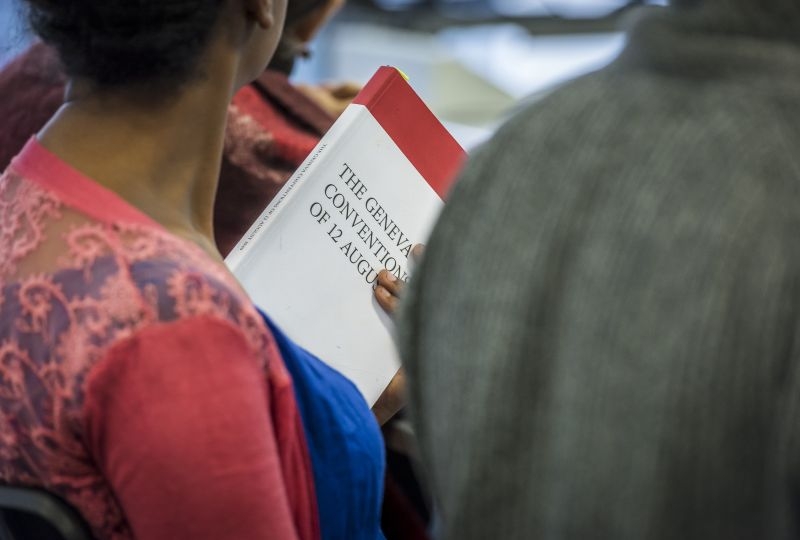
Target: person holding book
x=602 y=338
x=137 y=381
x=271 y=126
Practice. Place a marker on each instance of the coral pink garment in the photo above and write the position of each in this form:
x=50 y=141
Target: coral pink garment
x=136 y=380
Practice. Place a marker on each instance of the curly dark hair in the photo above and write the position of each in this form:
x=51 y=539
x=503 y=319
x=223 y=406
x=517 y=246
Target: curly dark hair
x=119 y=43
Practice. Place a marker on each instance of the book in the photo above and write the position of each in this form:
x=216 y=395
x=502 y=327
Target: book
x=370 y=190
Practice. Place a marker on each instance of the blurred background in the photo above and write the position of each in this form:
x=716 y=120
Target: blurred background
x=472 y=61
x=13 y=34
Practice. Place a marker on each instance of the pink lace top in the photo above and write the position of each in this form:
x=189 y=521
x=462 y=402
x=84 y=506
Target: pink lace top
x=136 y=380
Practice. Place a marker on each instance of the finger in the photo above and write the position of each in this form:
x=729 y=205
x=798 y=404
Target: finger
x=417 y=251
x=389 y=281
x=345 y=90
x=392 y=399
x=386 y=300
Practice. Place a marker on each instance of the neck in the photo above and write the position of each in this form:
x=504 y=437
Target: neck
x=163 y=159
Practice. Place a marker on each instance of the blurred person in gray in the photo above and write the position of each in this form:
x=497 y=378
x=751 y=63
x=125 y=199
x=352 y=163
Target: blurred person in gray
x=603 y=338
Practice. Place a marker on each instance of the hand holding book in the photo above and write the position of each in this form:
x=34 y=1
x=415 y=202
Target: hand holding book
x=388 y=290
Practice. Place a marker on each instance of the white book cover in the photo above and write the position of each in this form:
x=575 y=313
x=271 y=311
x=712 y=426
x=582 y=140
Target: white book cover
x=369 y=191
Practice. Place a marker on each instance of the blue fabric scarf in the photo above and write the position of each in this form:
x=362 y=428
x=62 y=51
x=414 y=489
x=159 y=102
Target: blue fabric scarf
x=344 y=442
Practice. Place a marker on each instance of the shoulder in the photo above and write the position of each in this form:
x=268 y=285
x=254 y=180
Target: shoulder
x=175 y=281
x=131 y=277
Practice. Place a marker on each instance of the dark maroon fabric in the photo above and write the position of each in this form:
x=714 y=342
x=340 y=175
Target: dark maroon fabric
x=296 y=106
x=32 y=90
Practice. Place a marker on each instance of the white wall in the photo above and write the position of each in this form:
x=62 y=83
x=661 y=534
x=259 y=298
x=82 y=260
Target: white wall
x=13 y=33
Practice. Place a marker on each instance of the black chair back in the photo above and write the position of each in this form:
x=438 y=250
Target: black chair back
x=34 y=514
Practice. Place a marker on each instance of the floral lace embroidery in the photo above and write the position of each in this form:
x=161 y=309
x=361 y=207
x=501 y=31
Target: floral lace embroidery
x=61 y=311
x=246 y=142
x=22 y=212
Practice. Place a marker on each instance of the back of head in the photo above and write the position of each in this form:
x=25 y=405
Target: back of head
x=120 y=43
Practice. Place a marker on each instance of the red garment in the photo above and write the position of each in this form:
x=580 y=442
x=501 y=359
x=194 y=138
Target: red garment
x=136 y=380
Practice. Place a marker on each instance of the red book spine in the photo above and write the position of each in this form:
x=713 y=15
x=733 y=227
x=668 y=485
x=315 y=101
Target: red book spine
x=413 y=128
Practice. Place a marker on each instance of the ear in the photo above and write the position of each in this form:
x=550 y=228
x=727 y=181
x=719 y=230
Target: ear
x=260 y=11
